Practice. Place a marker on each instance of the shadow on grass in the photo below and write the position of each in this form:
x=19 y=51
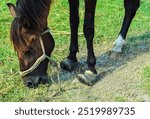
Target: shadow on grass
x=136 y=45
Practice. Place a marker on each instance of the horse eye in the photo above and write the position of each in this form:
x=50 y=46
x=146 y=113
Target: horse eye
x=32 y=39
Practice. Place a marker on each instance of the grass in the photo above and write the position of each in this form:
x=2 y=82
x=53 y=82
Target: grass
x=109 y=15
x=146 y=77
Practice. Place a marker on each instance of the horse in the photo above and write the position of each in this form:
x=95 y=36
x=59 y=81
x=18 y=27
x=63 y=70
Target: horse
x=32 y=39
x=34 y=43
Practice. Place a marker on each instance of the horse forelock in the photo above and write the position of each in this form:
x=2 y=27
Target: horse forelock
x=35 y=11
x=16 y=37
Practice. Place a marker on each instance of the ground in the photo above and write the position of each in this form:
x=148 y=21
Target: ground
x=119 y=80
x=125 y=79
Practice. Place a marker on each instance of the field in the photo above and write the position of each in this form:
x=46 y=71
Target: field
x=127 y=78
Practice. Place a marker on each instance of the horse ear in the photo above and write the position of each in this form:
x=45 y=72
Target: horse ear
x=12 y=9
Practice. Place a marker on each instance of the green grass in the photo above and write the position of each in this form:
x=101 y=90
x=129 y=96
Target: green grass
x=109 y=15
x=146 y=77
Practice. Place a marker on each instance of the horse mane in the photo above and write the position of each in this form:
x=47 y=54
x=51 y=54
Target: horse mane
x=36 y=12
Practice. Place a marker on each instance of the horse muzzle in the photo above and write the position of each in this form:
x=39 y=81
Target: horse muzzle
x=34 y=81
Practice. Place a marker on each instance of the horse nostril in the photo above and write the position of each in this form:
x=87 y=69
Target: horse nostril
x=30 y=84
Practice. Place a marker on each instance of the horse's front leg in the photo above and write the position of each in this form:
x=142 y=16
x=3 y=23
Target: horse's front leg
x=89 y=32
x=70 y=63
x=131 y=7
x=90 y=75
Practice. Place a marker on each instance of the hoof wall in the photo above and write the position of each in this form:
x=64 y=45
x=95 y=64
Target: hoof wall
x=88 y=78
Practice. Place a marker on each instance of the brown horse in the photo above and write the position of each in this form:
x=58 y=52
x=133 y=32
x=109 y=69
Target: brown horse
x=31 y=39
x=33 y=42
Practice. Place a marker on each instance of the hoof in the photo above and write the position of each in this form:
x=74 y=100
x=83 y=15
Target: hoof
x=68 y=64
x=88 y=78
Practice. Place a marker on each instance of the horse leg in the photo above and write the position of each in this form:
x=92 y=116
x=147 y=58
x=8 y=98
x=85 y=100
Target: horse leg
x=89 y=32
x=71 y=61
x=90 y=75
x=131 y=7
